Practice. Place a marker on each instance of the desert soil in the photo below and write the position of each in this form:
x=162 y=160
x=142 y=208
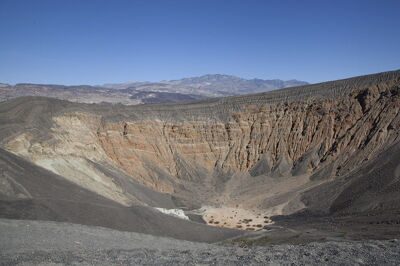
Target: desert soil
x=51 y=243
x=230 y=217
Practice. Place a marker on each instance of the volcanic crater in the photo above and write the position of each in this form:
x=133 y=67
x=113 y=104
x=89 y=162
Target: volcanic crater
x=282 y=159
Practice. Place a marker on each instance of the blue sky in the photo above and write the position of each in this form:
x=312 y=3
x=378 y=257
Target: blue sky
x=96 y=42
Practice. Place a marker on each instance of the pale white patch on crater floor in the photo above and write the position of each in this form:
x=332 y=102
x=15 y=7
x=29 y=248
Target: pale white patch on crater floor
x=174 y=212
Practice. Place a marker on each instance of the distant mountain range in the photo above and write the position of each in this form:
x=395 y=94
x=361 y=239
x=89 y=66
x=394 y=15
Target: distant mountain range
x=182 y=90
x=210 y=85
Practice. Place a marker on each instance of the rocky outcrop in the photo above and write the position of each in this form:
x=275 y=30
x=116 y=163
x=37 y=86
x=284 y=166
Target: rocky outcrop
x=279 y=139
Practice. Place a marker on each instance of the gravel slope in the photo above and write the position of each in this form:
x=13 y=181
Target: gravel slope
x=49 y=243
x=30 y=192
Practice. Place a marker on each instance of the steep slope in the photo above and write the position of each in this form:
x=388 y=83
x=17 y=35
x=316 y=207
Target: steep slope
x=259 y=152
x=30 y=192
x=371 y=188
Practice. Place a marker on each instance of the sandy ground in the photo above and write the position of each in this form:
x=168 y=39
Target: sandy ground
x=243 y=219
x=250 y=205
